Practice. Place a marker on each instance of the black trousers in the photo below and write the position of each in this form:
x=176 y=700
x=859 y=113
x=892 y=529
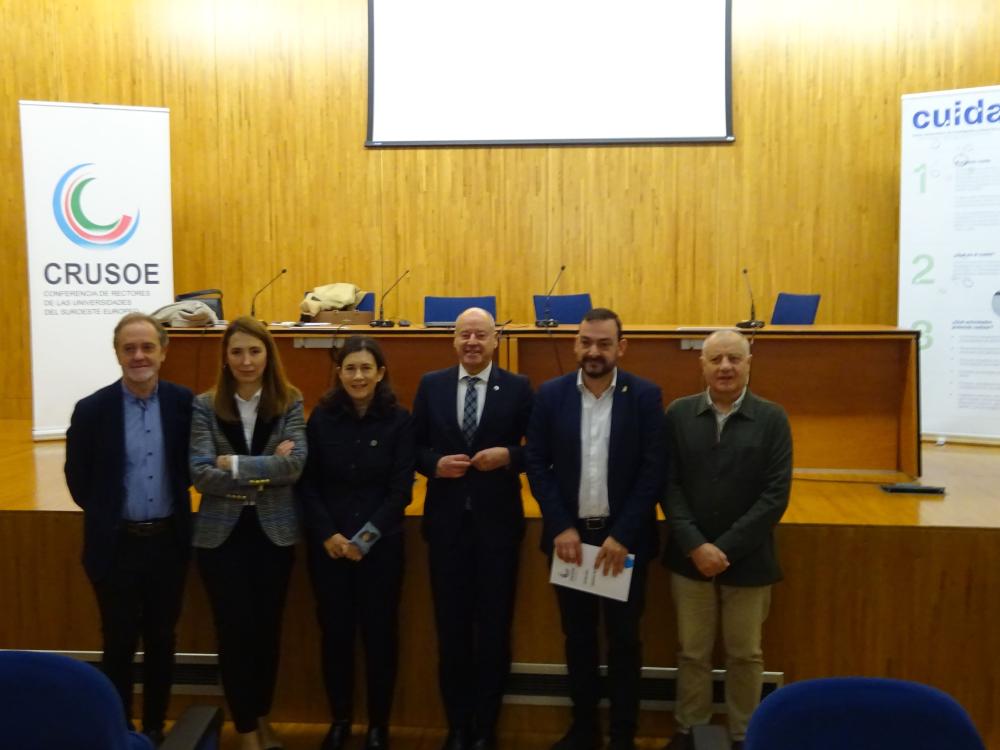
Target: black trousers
x=366 y=594
x=141 y=597
x=473 y=587
x=580 y=614
x=246 y=578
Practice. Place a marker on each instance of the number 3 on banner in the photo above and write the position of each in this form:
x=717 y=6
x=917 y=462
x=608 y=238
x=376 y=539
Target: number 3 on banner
x=926 y=328
x=921 y=277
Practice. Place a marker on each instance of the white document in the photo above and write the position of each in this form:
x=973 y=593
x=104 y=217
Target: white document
x=586 y=577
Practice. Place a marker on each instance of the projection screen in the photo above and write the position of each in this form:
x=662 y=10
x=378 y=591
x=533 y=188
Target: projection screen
x=472 y=72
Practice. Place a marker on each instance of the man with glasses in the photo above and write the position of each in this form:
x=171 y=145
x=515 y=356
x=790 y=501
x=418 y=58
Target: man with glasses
x=595 y=463
x=469 y=420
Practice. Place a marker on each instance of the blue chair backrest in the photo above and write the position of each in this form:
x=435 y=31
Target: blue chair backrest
x=367 y=303
x=795 y=309
x=447 y=309
x=860 y=713
x=51 y=701
x=566 y=308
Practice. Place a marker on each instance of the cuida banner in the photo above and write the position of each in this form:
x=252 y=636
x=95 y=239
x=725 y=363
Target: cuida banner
x=97 y=207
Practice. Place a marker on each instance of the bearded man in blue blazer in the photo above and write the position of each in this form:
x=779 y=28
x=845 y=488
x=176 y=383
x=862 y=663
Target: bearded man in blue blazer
x=595 y=461
x=126 y=466
x=469 y=421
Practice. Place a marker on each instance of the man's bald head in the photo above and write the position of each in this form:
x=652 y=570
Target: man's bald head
x=475 y=339
x=729 y=336
x=725 y=363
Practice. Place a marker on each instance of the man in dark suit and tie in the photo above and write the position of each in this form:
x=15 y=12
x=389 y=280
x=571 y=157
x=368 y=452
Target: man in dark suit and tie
x=126 y=466
x=469 y=421
x=595 y=462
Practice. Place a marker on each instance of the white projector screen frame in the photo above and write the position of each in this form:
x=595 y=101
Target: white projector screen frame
x=519 y=72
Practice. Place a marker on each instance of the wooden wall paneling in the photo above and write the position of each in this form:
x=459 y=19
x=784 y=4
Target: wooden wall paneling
x=268 y=114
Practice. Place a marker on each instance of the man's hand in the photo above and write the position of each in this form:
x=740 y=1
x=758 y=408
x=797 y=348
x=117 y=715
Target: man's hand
x=567 y=546
x=336 y=546
x=225 y=463
x=612 y=556
x=489 y=459
x=284 y=448
x=453 y=466
x=709 y=559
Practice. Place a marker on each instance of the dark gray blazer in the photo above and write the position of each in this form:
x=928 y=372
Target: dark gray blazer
x=730 y=491
x=264 y=477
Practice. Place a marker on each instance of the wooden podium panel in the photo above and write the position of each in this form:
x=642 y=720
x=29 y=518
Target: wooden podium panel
x=851 y=392
x=193 y=358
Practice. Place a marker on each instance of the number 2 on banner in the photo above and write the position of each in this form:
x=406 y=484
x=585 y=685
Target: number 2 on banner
x=926 y=328
x=921 y=277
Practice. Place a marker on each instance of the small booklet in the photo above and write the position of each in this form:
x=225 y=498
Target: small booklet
x=586 y=577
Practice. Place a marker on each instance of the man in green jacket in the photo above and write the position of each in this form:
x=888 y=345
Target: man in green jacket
x=731 y=453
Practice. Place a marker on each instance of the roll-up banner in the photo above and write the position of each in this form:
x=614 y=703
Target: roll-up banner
x=949 y=256
x=97 y=207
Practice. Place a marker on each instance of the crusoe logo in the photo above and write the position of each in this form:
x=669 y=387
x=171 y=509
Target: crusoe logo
x=67 y=205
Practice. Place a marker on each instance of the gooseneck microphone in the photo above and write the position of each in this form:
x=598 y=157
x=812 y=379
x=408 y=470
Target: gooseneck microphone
x=752 y=322
x=381 y=322
x=548 y=321
x=253 y=302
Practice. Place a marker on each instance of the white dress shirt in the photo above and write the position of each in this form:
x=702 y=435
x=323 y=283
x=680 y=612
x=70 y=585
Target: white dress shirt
x=248 y=417
x=595 y=437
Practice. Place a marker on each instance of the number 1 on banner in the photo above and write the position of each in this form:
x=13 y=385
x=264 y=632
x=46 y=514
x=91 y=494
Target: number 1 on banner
x=922 y=171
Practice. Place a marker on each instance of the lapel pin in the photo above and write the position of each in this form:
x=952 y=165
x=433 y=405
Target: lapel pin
x=373 y=443
x=624 y=389
x=496 y=388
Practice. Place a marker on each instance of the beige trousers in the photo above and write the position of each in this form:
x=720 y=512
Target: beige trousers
x=744 y=609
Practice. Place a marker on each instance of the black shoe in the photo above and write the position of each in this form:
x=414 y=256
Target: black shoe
x=579 y=738
x=377 y=738
x=337 y=737
x=680 y=741
x=155 y=736
x=457 y=739
x=620 y=743
x=738 y=745
x=484 y=743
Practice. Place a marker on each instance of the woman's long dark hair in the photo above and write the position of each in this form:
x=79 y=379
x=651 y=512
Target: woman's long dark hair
x=276 y=395
x=383 y=400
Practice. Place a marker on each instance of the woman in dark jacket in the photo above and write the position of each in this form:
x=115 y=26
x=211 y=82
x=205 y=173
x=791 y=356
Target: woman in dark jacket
x=357 y=481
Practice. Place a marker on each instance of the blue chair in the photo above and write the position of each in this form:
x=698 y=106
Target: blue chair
x=795 y=309
x=367 y=303
x=443 y=311
x=51 y=701
x=566 y=308
x=860 y=713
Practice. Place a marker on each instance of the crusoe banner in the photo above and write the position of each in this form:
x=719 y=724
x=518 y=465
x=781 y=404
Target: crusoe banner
x=97 y=207
x=949 y=256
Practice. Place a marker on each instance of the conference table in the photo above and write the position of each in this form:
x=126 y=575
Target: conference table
x=851 y=391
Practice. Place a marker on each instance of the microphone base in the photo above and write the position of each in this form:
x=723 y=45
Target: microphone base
x=750 y=324
x=382 y=323
x=547 y=323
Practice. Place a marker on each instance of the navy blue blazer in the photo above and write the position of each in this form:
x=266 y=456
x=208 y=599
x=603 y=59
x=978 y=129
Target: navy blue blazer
x=636 y=460
x=95 y=467
x=493 y=497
